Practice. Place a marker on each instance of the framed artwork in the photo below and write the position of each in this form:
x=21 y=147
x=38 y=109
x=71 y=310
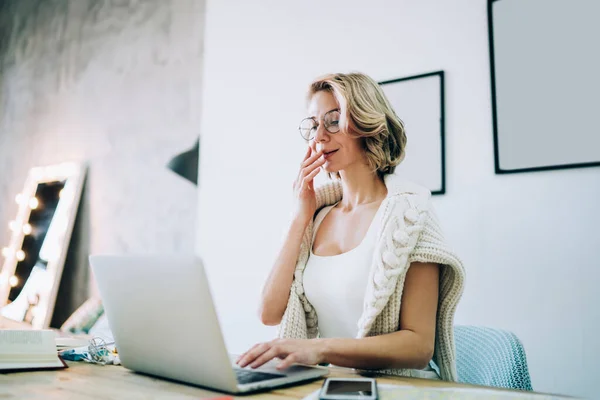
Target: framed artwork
x=41 y=232
x=545 y=84
x=419 y=102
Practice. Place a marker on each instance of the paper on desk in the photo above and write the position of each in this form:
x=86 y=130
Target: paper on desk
x=69 y=342
x=406 y=392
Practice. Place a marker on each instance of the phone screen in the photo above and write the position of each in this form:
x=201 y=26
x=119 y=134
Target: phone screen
x=350 y=388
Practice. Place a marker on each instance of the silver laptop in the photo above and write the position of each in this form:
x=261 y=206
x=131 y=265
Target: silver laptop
x=162 y=317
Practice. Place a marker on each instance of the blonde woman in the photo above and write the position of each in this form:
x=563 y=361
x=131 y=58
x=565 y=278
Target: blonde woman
x=364 y=278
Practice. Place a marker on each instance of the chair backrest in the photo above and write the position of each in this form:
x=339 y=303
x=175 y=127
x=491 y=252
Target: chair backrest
x=490 y=357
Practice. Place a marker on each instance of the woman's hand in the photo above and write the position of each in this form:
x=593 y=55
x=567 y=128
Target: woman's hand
x=301 y=351
x=304 y=192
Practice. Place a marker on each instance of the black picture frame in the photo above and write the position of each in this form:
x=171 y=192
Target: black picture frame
x=440 y=74
x=497 y=168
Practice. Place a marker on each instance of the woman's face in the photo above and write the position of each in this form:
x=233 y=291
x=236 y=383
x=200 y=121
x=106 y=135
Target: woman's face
x=340 y=150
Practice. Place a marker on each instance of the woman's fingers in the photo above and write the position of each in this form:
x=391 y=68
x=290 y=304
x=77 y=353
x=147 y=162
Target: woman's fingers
x=266 y=357
x=304 y=172
x=245 y=353
x=287 y=362
x=306 y=182
x=306 y=158
x=307 y=155
x=252 y=354
x=308 y=161
x=289 y=351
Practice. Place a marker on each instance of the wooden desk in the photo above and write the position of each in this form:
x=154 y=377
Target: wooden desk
x=88 y=381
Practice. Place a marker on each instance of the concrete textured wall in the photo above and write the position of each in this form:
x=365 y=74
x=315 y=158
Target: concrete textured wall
x=116 y=84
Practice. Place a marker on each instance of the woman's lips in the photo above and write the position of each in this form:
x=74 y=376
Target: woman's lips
x=327 y=155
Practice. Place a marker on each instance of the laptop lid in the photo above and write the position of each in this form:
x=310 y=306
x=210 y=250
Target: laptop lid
x=162 y=316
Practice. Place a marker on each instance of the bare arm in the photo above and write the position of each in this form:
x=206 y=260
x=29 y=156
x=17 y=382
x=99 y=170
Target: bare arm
x=276 y=291
x=410 y=347
x=277 y=288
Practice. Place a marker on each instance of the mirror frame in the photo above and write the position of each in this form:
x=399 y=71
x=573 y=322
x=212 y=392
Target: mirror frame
x=74 y=176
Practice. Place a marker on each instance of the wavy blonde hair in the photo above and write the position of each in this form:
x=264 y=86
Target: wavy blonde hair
x=368 y=115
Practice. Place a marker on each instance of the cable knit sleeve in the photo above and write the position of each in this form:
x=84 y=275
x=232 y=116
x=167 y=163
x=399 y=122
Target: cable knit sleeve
x=293 y=323
x=432 y=248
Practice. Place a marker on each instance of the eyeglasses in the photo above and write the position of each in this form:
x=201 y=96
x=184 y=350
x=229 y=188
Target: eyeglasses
x=331 y=121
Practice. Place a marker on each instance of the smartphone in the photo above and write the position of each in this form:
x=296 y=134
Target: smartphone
x=349 y=388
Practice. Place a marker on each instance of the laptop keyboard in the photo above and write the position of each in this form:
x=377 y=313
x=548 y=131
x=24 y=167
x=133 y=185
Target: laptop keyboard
x=247 y=376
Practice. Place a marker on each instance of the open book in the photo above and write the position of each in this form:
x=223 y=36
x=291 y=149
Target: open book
x=28 y=349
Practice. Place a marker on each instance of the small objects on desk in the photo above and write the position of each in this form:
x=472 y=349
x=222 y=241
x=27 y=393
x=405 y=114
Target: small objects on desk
x=71 y=341
x=349 y=388
x=97 y=352
x=63 y=343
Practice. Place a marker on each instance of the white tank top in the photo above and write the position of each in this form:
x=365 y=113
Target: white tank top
x=336 y=285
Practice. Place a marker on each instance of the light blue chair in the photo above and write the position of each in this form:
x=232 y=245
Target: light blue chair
x=490 y=357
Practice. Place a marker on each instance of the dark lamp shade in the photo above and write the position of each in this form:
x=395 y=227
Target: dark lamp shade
x=186 y=164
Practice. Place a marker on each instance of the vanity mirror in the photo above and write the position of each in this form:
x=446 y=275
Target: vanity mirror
x=40 y=235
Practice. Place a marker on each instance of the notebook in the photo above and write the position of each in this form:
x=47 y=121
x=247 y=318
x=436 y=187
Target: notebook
x=28 y=350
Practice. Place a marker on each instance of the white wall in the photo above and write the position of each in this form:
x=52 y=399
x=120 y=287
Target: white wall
x=528 y=240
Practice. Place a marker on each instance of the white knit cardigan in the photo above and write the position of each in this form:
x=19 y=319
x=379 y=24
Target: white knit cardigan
x=409 y=232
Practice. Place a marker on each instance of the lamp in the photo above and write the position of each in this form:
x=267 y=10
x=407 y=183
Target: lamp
x=186 y=164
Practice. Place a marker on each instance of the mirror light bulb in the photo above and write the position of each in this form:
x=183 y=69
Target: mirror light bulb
x=13 y=281
x=27 y=229
x=20 y=255
x=5 y=251
x=34 y=203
